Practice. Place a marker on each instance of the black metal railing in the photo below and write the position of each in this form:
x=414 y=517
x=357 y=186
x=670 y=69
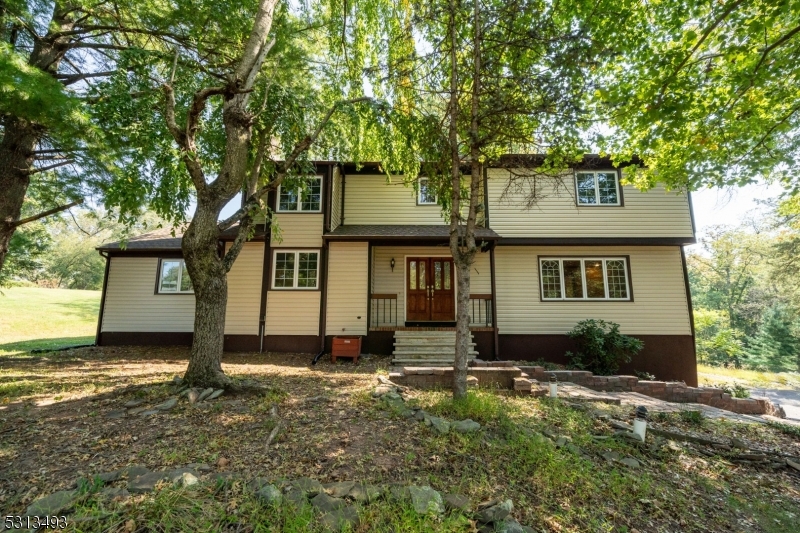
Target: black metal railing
x=480 y=310
x=383 y=310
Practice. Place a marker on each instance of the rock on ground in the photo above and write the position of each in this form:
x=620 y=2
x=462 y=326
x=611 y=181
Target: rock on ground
x=309 y=487
x=54 y=504
x=146 y=482
x=340 y=519
x=340 y=489
x=269 y=495
x=495 y=513
x=365 y=493
x=426 y=500
x=457 y=502
x=466 y=426
x=325 y=504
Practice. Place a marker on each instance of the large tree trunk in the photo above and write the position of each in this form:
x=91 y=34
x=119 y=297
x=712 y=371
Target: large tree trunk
x=16 y=160
x=21 y=137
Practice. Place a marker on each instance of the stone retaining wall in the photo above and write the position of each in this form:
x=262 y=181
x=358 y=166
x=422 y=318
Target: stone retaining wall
x=498 y=374
x=677 y=392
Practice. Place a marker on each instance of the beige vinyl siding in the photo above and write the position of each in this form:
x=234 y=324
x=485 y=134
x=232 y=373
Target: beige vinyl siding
x=131 y=302
x=299 y=230
x=384 y=281
x=244 y=291
x=293 y=312
x=336 y=198
x=347 y=288
x=370 y=200
x=656 y=273
x=655 y=213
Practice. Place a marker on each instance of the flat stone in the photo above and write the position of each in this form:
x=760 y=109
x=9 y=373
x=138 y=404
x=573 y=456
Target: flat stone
x=133 y=403
x=392 y=396
x=495 y=513
x=441 y=425
x=258 y=482
x=466 y=426
x=216 y=394
x=149 y=412
x=114 y=493
x=175 y=475
x=205 y=394
x=193 y=395
x=420 y=415
x=380 y=390
x=110 y=477
x=325 y=504
x=166 y=406
x=146 y=482
x=340 y=519
x=134 y=471
x=426 y=500
x=296 y=497
x=630 y=461
x=309 y=487
x=187 y=479
x=509 y=525
x=202 y=467
x=339 y=489
x=117 y=413
x=137 y=410
x=54 y=504
x=611 y=456
x=457 y=502
x=269 y=495
x=177 y=380
x=365 y=493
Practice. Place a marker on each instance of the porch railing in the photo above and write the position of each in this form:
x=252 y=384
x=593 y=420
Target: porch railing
x=383 y=310
x=480 y=310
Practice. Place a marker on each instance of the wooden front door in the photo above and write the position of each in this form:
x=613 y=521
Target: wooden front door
x=430 y=289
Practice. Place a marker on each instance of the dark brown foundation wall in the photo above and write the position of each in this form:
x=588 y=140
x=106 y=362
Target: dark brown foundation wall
x=667 y=357
x=233 y=343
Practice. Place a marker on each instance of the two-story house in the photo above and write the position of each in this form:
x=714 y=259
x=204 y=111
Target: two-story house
x=358 y=254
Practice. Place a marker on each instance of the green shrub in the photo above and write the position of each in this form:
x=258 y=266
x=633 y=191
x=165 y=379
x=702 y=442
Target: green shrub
x=736 y=390
x=601 y=347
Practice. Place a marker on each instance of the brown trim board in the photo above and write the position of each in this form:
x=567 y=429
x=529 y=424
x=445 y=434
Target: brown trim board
x=688 y=287
x=102 y=301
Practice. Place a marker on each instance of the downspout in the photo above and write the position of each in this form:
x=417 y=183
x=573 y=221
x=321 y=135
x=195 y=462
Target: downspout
x=102 y=299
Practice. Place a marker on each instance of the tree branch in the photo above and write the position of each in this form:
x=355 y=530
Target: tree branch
x=49 y=167
x=43 y=214
x=775 y=45
x=69 y=79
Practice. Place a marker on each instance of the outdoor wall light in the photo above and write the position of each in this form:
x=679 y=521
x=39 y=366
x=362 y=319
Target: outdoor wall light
x=640 y=423
x=553 y=386
x=392 y=264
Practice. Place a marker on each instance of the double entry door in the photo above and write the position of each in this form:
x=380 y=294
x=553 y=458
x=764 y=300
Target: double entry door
x=430 y=289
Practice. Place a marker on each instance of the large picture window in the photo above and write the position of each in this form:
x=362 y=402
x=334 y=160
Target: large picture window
x=425 y=193
x=584 y=278
x=295 y=270
x=597 y=188
x=173 y=277
x=307 y=198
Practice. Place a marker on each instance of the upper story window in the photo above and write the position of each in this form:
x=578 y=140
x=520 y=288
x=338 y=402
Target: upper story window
x=307 y=198
x=425 y=193
x=173 y=277
x=597 y=188
x=295 y=270
x=584 y=279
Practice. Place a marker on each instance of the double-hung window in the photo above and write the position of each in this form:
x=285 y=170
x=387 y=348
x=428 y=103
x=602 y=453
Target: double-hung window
x=173 y=278
x=295 y=270
x=425 y=193
x=571 y=278
x=597 y=188
x=305 y=198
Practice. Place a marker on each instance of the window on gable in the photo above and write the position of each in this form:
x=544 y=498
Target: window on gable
x=173 y=277
x=307 y=197
x=295 y=270
x=425 y=193
x=597 y=188
x=584 y=279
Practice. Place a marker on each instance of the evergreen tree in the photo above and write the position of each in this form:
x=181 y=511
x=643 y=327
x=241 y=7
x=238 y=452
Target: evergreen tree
x=776 y=346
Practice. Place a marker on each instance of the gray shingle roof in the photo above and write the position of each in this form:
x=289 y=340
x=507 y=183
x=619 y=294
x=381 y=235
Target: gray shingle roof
x=399 y=232
x=162 y=239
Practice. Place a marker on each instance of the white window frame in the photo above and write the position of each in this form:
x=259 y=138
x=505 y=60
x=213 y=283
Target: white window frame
x=585 y=297
x=419 y=192
x=177 y=290
x=300 y=198
x=296 y=253
x=597 y=188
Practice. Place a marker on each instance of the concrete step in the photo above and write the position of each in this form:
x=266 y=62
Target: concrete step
x=451 y=347
x=419 y=351
x=416 y=340
x=429 y=362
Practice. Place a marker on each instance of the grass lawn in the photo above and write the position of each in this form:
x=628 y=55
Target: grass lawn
x=71 y=422
x=34 y=318
x=717 y=375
